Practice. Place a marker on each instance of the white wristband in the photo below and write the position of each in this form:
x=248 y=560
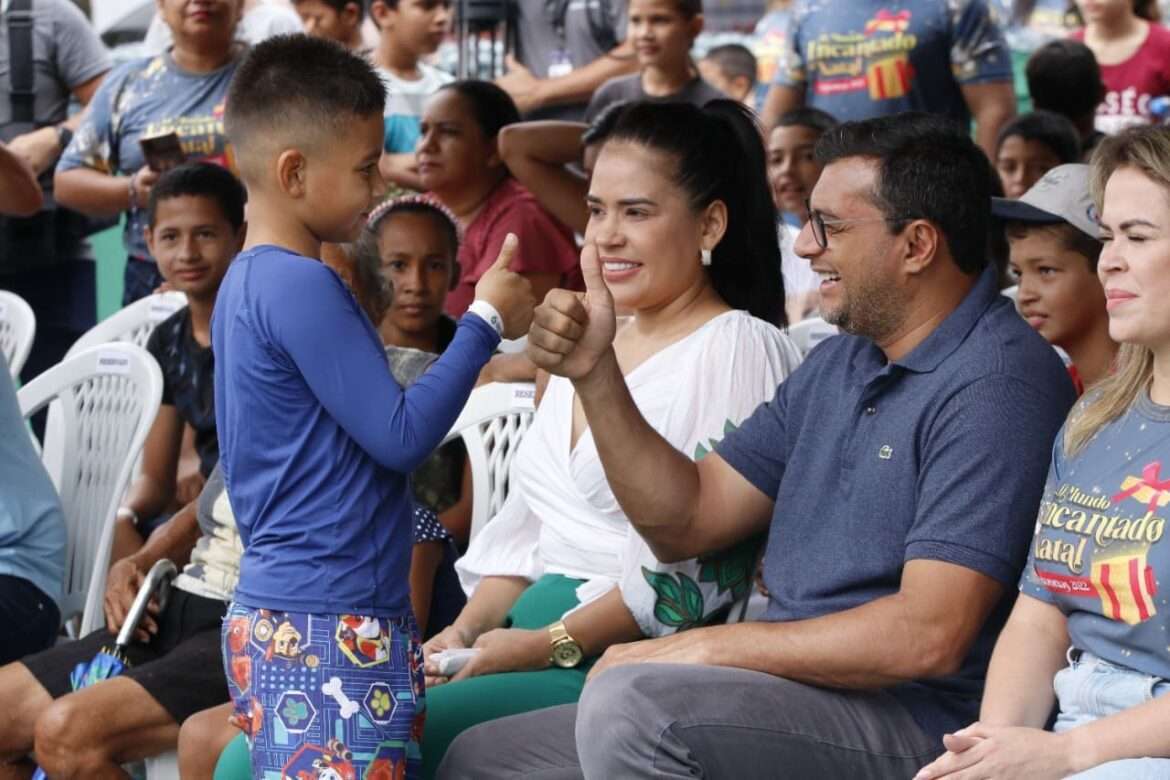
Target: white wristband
x=486 y=312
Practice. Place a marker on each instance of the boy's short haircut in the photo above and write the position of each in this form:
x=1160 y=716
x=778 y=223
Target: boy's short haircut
x=340 y=5
x=1055 y=131
x=734 y=61
x=1064 y=77
x=297 y=90
x=1071 y=239
x=201 y=180
x=813 y=118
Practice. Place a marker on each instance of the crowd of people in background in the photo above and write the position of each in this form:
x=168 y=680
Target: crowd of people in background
x=929 y=546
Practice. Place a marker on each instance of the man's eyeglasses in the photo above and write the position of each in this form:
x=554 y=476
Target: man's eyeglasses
x=817 y=222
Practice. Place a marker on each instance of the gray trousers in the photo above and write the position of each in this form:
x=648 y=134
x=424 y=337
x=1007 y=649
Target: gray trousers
x=675 y=721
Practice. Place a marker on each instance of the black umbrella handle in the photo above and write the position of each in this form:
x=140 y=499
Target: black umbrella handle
x=159 y=577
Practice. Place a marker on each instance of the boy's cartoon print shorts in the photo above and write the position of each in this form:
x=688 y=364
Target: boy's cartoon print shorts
x=325 y=696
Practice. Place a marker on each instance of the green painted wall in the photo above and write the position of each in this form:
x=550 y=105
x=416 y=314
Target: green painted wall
x=111 y=260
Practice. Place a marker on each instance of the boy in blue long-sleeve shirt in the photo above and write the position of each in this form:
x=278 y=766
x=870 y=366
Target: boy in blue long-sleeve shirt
x=316 y=439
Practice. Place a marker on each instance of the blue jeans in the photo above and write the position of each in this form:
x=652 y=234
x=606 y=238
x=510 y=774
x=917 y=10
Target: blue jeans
x=1090 y=688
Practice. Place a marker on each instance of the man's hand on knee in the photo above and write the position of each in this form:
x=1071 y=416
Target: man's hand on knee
x=688 y=647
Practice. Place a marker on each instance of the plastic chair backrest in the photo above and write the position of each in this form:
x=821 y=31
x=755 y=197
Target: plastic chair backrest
x=806 y=334
x=106 y=397
x=492 y=423
x=18 y=328
x=133 y=323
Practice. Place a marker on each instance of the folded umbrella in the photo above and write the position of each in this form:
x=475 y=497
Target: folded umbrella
x=110 y=662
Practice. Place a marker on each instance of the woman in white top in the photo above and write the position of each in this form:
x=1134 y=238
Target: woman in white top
x=681 y=218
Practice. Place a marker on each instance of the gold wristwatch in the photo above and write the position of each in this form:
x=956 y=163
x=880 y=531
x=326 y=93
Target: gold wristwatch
x=566 y=653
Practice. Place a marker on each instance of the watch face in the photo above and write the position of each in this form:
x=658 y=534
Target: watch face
x=567 y=654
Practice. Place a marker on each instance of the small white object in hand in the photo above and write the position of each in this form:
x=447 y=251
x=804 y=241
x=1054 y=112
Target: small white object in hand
x=449 y=662
x=333 y=689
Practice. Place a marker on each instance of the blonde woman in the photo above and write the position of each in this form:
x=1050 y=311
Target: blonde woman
x=1092 y=624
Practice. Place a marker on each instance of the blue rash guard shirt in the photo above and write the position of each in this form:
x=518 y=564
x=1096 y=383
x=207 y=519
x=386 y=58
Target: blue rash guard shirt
x=317 y=440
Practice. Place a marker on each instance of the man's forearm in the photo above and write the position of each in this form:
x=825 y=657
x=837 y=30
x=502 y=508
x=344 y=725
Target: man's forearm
x=148 y=497
x=579 y=85
x=173 y=540
x=877 y=645
x=656 y=485
x=991 y=106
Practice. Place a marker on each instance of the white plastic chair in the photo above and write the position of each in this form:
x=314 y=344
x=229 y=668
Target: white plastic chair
x=106 y=398
x=18 y=328
x=133 y=323
x=806 y=334
x=163 y=767
x=492 y=423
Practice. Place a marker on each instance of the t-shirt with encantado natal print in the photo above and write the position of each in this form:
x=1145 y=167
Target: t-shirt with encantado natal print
x=1101 y=552
x=869 y=58
x=147 y=98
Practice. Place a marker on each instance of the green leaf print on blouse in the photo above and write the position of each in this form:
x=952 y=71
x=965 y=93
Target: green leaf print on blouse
x=679 y=601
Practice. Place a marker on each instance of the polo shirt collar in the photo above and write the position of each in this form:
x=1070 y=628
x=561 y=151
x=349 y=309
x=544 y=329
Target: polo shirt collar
x=870 y=362
x=953 y=331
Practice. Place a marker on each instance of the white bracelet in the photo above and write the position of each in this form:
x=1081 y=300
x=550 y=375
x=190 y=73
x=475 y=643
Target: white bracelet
x=125 y=512
x=486 y=312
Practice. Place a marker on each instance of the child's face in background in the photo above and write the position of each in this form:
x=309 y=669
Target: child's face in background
x=1022 y=162
x=417 y=26
x=1059 y=295
x=342 y=182
x=793 y=170
x=193 y=243
x=736 y=89
x=419 y=262
x=323 y=21
x=661 y=34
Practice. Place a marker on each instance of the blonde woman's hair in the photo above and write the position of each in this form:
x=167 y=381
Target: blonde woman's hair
x=1147 y=150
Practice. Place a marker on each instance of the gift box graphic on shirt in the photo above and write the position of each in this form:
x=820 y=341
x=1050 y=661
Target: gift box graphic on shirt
x=890 y=77
x=1127 y=588
x=1125 y=585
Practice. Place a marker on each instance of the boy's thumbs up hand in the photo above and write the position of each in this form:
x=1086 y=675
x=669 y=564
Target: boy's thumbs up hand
x=508 y=291
x=572 y=331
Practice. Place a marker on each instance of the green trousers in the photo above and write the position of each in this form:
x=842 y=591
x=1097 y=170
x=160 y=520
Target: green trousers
x=455 y=707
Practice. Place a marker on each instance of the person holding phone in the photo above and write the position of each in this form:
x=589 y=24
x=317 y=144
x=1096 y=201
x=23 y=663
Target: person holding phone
x=149 y=115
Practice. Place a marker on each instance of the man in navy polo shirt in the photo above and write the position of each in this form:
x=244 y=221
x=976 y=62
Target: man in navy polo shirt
x=898 y=472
